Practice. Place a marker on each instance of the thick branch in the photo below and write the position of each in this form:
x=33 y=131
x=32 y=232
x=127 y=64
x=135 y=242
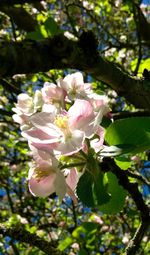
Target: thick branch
x=143 y=25
x=17 y=232
x=12 y=2
x=21 y=17
x=60 y=53
x=9 y=3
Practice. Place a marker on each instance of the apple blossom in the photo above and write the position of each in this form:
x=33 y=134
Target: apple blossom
x=52 y=94
x=74 y=86
x=55 y=132
x=67 y=130
x=45 y=177
x=61 y=120
x=26 y=107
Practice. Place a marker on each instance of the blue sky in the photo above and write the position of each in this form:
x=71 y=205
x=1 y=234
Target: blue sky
x=146 y=1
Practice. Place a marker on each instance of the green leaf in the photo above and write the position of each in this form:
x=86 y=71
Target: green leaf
x=36 y=35
x=130 y=131
x=100 y=189
x=65 y=243
x=84 y=189
x=82 y=252
x=51 y=27
x=118 y=195
x=78 y=232
x=92 y=189
x=123 y=162
x=145 y=63
x=88 y=229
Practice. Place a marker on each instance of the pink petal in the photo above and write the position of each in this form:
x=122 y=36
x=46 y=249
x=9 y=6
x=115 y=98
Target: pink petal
x=80 y=113
x=71 y=193
x=72 y=179
x=97 y=143
x=81 y=116
x=44 y=187
x=36 y=135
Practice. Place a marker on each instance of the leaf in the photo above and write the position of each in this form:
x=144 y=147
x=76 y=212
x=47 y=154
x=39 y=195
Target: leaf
x=82 y=252
x=118 y=195
x=36 y=35
x=48 y=28
x=65 y=243
x=90 y=226
x=145 y=63
x=130 y=131
x=84 y=189
x=92 y=190
x=100 y=189
x=51 y=27
x=123 y=162
x=87 y=229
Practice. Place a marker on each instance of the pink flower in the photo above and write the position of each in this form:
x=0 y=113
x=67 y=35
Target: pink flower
x=45 y=178
x=97 y=143
x=100 y=105
x=52 y=94
x=25 y=104
x=81 y=116
x=74 y=85
x=56 y=133
x=25 y=107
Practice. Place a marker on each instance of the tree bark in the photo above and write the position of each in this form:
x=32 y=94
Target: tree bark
x=59 y=53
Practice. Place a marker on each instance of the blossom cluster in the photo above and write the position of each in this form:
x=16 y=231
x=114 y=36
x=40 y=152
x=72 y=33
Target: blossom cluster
x=61 y=120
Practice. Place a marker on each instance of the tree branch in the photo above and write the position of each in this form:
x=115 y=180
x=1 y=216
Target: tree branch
x=143 y=25
x=132 y=188
x=20 y=17
x=134 y=243
x=60 y=53
x=13 y=2
x=20 y=234
x=126 y=114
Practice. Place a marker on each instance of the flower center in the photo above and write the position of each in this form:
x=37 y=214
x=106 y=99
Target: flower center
x=62 y=123
x=40 y=173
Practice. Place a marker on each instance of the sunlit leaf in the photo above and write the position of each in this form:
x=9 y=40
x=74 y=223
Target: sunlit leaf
x=123 y=162
x=133 y=131
x=65 y=243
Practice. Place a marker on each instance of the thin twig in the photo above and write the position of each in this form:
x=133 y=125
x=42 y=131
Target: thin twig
x=136 y=240
x=137 y=176
x=139 y=41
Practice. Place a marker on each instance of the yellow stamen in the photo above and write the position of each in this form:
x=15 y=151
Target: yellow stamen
x=39 y=173
x=61 y=122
